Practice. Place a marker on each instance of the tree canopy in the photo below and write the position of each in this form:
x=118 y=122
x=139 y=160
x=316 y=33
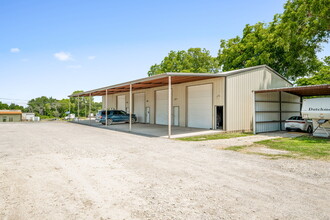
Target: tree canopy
x=12 y=106
x=194 y=60
x=288 y=44
x=319 y=77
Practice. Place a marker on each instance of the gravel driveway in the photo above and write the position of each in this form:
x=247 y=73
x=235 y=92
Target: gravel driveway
x=60 y=170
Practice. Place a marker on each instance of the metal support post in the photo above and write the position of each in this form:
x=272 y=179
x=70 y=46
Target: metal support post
x=78 y=108
x=90 y=100
x=169 y=106
x=106 y=107
x=130 y=107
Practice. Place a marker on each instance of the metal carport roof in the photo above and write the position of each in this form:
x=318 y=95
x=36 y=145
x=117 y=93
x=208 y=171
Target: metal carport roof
x=313 y=90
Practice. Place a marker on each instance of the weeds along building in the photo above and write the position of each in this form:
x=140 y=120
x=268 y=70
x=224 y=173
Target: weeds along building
x=222 y=101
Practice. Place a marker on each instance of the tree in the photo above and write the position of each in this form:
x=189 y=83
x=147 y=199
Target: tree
x=288 y=44
x=12 y=106
x=319 y=77
x=194 y=60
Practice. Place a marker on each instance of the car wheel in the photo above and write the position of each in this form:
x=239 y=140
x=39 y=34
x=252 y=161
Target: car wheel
x=309 y=129
x=110 y=121
x=133 y=120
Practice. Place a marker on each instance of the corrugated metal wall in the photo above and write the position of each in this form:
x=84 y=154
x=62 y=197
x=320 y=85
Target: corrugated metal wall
x=179 y=97
x=239 y=102
x=273 y=108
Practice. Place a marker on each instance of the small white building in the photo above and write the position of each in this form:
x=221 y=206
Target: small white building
x=28 y=116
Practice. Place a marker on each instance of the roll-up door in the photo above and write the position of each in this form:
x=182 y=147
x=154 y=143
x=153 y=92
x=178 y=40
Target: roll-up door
x=200 y=106
x=139 y=107
x=121 y=102
x=162 y=107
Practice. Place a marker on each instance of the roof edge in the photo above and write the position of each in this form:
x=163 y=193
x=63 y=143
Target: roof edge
x=163 y=75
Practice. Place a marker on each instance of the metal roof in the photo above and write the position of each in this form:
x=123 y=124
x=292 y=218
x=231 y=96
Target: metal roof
x=313 y=90
x=162 y=79
x=10 y=112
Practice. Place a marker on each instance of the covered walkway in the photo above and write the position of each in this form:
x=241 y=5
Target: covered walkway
x=150 y=130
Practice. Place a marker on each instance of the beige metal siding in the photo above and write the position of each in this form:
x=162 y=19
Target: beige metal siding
x=239 y=103
x=179 y=97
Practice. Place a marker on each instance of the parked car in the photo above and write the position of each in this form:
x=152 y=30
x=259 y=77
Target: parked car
x=116 y=116
x=298 y=123
x=98 y=115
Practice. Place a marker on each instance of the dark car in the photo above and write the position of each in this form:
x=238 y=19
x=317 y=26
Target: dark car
x=116 y=116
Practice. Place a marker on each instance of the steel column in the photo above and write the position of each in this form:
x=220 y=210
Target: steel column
x=254 y=113
x=106 y=107
x=78 y=108
x=130 y=107
x=90 y=100
x=169 y=106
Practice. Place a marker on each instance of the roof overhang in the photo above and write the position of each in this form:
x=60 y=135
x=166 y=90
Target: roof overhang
x=162 y=80
x=149 y=82
x=314 y=90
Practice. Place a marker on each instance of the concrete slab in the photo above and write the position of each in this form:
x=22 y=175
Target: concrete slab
x=151 y=130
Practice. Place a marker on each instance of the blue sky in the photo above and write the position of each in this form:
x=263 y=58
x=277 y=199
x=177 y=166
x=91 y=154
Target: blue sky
x=53 y=48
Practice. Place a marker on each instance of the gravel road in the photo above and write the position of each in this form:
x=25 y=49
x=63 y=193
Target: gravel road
x=60 y=170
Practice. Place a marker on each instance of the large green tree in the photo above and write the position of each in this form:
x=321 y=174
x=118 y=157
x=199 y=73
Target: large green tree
x=194 y=60
x=288 y=44
x=318 y=77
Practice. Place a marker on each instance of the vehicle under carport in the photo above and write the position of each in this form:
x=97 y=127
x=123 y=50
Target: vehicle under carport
x=273 y=106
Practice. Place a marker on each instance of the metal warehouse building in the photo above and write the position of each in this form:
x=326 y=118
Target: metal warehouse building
x=222 y=101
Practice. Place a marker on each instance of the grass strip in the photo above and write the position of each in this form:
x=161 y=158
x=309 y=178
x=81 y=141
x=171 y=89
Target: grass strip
x=214 y=136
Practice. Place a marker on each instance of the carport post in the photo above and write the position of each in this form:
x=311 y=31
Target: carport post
x=254 y=113
x=78 y=108
x=90 y=97
x=130 y=107
x=106 y=107
x=169 y=107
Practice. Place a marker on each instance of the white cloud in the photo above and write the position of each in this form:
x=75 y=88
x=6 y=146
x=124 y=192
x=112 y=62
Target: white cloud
x=15 y=50
x=63 y=56
x=91 y=57
x=74 y=66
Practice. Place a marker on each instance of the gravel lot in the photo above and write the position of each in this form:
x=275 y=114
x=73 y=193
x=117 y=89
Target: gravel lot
x=60 y=170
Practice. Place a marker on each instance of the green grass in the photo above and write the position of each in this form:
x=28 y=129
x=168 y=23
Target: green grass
x=214 y=136
x=301 y=147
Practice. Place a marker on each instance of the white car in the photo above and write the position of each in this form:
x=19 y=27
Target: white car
x=298 y=123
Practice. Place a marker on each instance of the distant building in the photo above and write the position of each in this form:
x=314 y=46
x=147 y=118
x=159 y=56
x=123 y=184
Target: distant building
x=10 y=115
x=28 y=116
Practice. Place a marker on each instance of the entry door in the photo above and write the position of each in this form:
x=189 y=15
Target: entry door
x=121 y=102
x=200 y=106
x=176 y=115
x=162 y=107
x=219 y=117
x=148 y=115
x=139 y=107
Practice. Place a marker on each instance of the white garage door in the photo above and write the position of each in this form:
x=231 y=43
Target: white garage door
x=121 y=102
x=200 y=106
x=139 y=107
x=162 y=107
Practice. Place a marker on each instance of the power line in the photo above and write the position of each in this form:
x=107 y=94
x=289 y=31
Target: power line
x=15 y=99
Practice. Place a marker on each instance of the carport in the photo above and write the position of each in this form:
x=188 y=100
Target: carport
x=273 y=106
x=166 y=79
